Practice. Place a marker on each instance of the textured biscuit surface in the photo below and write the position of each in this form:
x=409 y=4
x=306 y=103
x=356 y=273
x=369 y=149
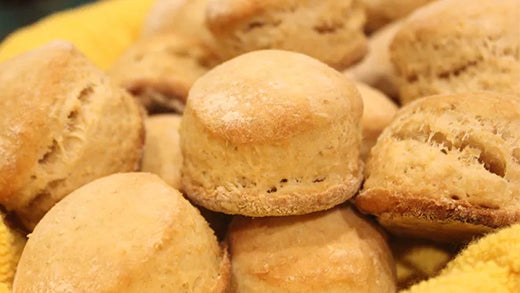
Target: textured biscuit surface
x=447 y=167
x=376 y=69
x=63 y=124
x=381 y=12
x=162 y=153
x=127 y=232
x=330 y=31
x=159 y=70
x=271 y=133
x=331 y=251
x=443 y=49
x=186 y=17
x=378 y=112
x=162 y=156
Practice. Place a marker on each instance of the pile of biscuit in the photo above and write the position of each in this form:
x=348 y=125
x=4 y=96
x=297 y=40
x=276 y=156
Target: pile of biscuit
x=280 y=159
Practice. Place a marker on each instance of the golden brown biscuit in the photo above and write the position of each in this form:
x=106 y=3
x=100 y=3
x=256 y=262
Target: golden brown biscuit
x=447 y=167
x=128 y=232
x=331 y=251
x=328 y=30
x=63 y=124
x=160 y=70
x=271 y=133
x=162 y=153
x=376 y=69
x=444 y=49
x=162 y=156
x=185 y=17
x=382 y=12
x=378 y=112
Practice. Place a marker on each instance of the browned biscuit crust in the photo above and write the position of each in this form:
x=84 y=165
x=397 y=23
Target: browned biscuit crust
x=65 y=123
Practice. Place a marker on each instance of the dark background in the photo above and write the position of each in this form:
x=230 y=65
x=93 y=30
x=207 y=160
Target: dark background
x=17 y=13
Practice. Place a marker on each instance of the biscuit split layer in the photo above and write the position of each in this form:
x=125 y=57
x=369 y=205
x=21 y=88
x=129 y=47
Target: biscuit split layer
x=447 y=167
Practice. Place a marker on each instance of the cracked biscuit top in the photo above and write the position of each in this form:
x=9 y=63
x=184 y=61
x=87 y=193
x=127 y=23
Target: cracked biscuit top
x=448 y=159
x=63 y=123
x=444 y=49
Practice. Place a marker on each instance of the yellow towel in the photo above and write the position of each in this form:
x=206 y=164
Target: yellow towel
x=11 y=246
x=4 y=288
x=491 y=264
x=418 y=260
x=102 y=30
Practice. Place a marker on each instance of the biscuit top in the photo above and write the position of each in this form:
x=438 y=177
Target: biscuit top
x=480 y=130
x=120 y=233
x=271 y=95
x=466 y=120
x=167 y=62
x=38 y=87
x=333 y=251
x=221 y=14
x=463 y=19
x=382 y=12
x=186 y=17
x=488 y=108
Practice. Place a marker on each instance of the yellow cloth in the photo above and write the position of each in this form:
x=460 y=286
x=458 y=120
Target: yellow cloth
x=102 y=30
x=11 y=246
x=4 y=288
x=491 y=264
x=418 y=260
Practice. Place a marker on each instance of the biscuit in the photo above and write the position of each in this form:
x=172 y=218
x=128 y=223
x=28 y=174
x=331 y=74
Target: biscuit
x=442 y=49
x=160 y=70
x=162 y=156
x=381 y=12
x=332 y=251
x=128 y=232
x=328 y=30
x=162 y=153
x=376 y=69
x=378 y=112
x=185 y=17
x=63 y=123
x=271 y=133
x=447 y=167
